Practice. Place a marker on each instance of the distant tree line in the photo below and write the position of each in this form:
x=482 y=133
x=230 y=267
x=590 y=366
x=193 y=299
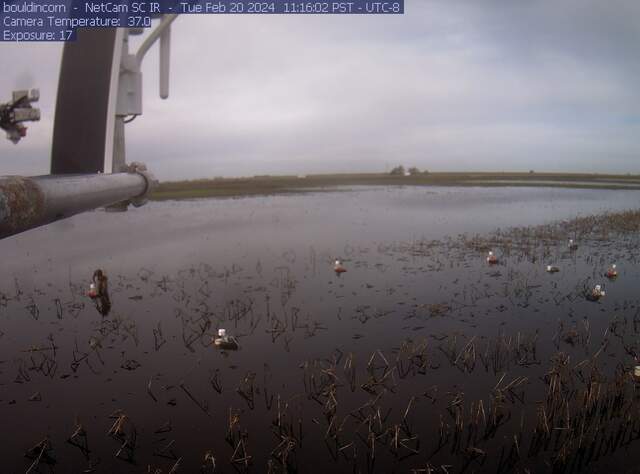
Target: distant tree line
x=400 y=171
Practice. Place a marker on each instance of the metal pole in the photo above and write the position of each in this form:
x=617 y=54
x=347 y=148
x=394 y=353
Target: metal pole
x=154 y=35
x=26 y=203
x=165 y=63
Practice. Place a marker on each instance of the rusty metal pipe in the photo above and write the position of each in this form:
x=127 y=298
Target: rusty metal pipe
x=26 y=203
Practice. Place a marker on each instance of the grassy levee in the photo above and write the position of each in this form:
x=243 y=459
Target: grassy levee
x=269 y=185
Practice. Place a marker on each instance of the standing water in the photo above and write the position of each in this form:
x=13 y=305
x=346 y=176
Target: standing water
x=419 y=357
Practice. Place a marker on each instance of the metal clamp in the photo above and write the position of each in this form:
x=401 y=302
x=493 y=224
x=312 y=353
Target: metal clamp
x=152 y=182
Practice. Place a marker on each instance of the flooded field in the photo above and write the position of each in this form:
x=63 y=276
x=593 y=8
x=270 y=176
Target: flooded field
x=420 y=358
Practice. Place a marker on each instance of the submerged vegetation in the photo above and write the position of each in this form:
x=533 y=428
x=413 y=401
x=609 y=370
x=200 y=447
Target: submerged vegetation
x=267 y=185
x=421 y=358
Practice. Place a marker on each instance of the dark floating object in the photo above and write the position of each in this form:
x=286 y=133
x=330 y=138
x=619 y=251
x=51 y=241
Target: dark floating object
x=130 y=364
x=224 y=342
x=612 y=273
x=99 y=285
x=492 y=259
x=572 y=245
x=99 y=292
x=552 y=269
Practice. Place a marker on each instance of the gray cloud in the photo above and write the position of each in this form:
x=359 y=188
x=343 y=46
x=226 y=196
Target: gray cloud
x=448 y=86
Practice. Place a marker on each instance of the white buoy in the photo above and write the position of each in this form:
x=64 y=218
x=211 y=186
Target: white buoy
x=636 y=371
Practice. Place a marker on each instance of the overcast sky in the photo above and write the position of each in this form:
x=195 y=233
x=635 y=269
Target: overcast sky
x=451 y=85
